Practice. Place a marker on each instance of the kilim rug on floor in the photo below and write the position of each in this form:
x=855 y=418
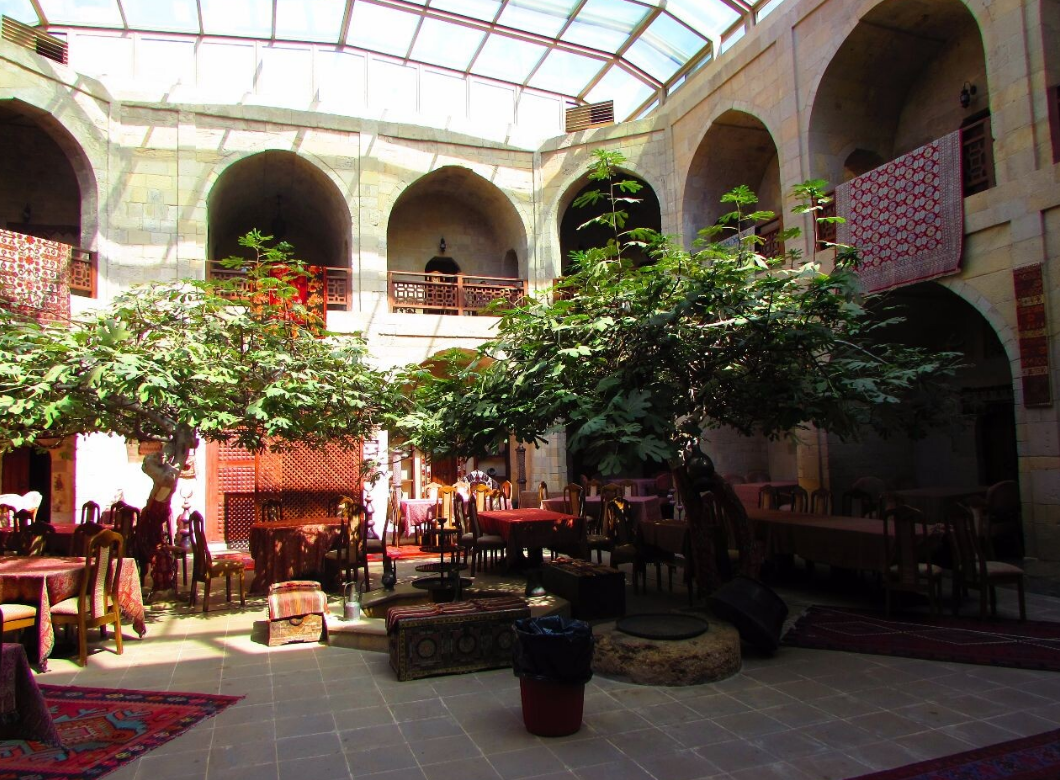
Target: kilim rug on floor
x=1028 y=645
x=103 y=728
x=1027 y=758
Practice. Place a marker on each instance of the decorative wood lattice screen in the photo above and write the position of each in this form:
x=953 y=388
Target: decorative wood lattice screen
x=307 y=483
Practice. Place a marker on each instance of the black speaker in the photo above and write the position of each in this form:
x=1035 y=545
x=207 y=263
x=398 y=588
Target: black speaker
x=755 y=610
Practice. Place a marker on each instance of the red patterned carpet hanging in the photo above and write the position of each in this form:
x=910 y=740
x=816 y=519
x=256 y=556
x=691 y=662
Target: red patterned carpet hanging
x=34 y=276
x=1031 y=644
x=906 y=217
x=1028 y=758
x=102 y=728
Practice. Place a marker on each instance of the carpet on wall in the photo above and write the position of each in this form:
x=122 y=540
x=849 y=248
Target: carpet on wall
x=1027 y=758
x=1027 y=645
x=102 y=728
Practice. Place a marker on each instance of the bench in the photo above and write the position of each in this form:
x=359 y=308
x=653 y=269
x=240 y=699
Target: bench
x=453 y=638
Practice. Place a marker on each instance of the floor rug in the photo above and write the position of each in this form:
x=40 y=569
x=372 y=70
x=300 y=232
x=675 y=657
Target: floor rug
x=1027 y=758
x=103 y=728
x=1028 y=645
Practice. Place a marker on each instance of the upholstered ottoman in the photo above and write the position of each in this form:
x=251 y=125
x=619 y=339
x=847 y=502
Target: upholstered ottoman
x=594 y=592
x=296 y=612
x=462 y=636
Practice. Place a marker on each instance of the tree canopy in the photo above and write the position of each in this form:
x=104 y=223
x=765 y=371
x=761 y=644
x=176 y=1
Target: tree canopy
x=241 y=361
x=636 y=361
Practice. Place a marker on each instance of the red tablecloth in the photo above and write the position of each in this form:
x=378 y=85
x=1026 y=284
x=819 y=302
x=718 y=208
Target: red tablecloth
x=414 y=512
x=42 y=581
x=291 y=549
x=23 y=712
x=641 y=508
x=529 y=528
x=748 y=491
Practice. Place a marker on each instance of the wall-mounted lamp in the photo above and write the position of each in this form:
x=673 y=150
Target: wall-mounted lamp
x=967 y=93
x=441 y=246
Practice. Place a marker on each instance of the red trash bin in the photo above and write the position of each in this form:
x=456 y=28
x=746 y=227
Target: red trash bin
x=552 y=709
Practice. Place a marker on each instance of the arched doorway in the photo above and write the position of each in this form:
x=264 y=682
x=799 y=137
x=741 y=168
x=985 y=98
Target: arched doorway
x=289 y=198
x=979 y=447
x=645 y=213
x=896 y=84
x=454 y=219
x=737 y=149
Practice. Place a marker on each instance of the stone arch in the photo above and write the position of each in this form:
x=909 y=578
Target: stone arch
x=480 y=224
x=737 y=148
x=65 y=187
x=284 y=195
x=892 y=83
x=980 y=447
x=645 y=214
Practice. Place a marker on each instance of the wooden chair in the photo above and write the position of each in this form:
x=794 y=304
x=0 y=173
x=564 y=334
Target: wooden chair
x=506 y=489
x=609 y=491
x=572 y=499
x=126 y=520
x=431 y=490
x=973 y=570
x=271 y=510
x=860 y=503
x=350 y=553
x=90 y=512
x=82 y=535
x=796 y=500
x=618 y=524
x=480 y=494
x=1003 y=531
x=16 y=617
x=629 y=488
x=767 y=497
x=908 y=567
x=208 y=566
x=378 y=546
x=529 y=499
x=96 y=604
x=39 y=537
x=496 y=500
x=821 y=502
x=483 y=544
x=592 y=488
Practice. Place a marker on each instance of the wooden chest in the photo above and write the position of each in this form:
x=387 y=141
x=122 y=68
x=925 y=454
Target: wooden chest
x=594 y=592
x=301 y=628
x=471 y=636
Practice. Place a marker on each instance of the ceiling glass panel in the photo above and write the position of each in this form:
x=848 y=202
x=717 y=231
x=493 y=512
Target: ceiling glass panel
x=565 y=72
x=476 y=9
x=446 y=44
x=664 y=47
x=19 y=10
x=173 y=16
x=507 y=59
x=605 y=24
x=244 y=18
x=711 y=17
x=97 y=13
x=384 y=30
x=626 y=90
x=309 y=20
x=544 y=17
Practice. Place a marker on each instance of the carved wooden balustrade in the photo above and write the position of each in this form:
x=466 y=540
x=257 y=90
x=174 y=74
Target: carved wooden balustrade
x=416 y=292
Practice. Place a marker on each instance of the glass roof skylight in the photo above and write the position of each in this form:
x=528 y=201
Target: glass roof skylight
x=634 y=52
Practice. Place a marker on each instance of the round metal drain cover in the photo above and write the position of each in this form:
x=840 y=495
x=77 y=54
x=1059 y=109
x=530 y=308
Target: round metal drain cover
x=662 y=626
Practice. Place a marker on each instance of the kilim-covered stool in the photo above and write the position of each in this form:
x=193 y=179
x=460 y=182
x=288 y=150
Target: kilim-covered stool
x=296 y=612
x=452 y=638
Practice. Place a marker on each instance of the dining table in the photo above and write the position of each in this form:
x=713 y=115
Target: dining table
x=843 y=542
x=936 y=502
x=531 y=529
x=416 y=512
x=747 y=492
x=24 y=714
x=291 y=549
x=43 y=581
x=641 y=508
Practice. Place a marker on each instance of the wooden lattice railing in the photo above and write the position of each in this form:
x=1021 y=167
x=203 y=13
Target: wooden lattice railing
x=414 y=292
x=336 y=283
x=83 y=272
x=977 y=156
